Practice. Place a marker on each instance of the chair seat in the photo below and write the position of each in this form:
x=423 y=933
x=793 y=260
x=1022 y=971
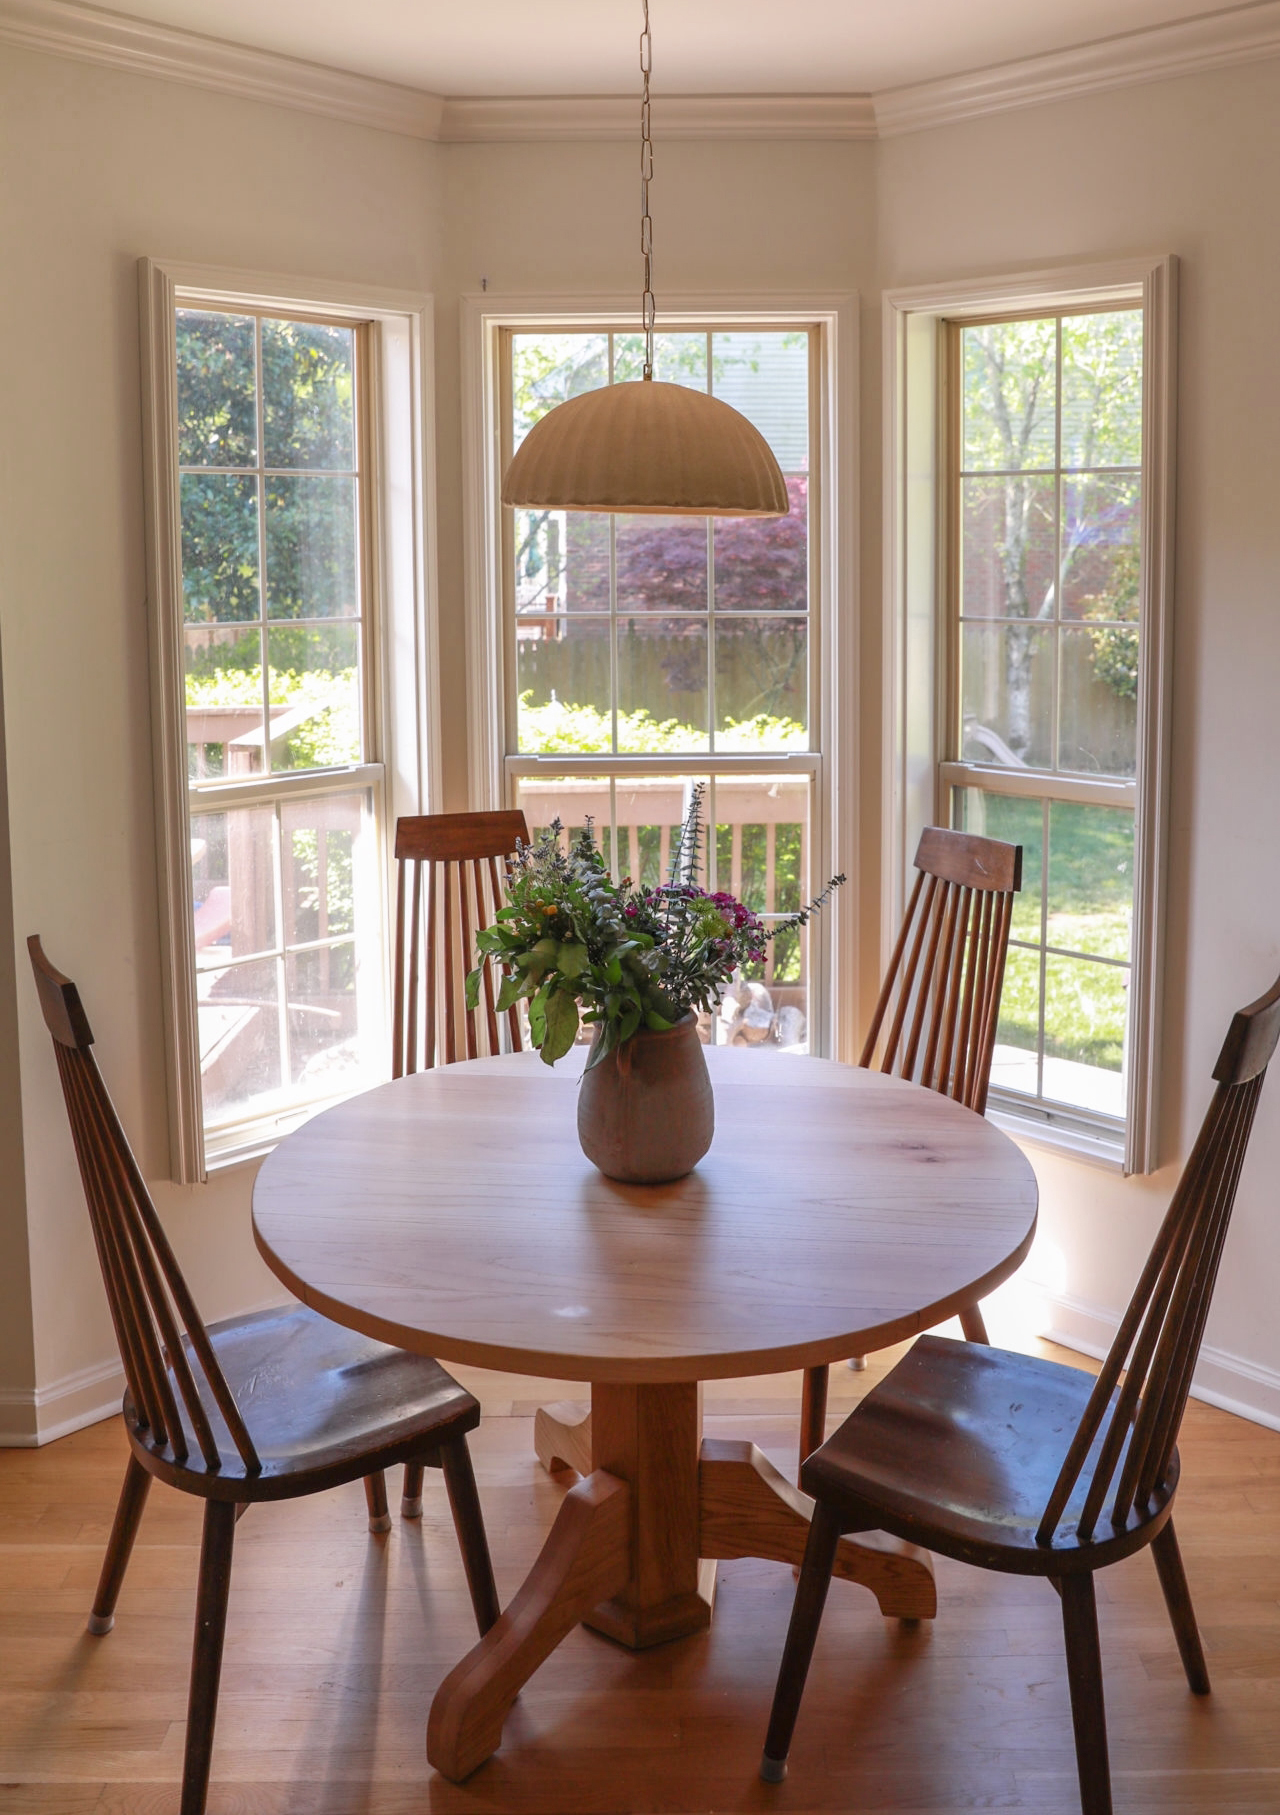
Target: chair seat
x=959 y=1448
x=321 y=1400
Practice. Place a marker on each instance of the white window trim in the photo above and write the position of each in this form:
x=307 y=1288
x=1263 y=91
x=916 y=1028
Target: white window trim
x=835 y=828
x=915 y=604
x=404 y=611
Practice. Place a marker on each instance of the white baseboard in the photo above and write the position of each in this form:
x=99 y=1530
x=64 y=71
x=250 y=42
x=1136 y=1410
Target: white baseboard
x=31 y=1416
x=1222 y=1379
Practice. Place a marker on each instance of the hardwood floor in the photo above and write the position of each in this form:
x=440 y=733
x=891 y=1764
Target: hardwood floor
x=336 y=1641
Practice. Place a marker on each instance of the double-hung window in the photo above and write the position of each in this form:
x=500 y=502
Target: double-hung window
x=644 y=654
x=1051 y=507
x=266 y=538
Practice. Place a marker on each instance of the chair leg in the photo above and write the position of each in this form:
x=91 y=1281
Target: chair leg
x=468 y=1522
x=802 y=1635
x=133 y=1498
x=375 y=1493
x=1177 y=1598
x=206 y=1656
x=1088 y=1711
x=411 y=1498
x=971 y=1322
x=813 y=1411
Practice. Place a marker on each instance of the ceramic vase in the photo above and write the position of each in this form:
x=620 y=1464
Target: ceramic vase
x=645 y=1112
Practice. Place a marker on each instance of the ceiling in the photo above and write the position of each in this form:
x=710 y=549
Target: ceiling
x=568 y=47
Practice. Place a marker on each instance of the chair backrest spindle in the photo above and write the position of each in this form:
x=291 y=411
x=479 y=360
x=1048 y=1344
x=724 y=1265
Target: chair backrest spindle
x=460 y=854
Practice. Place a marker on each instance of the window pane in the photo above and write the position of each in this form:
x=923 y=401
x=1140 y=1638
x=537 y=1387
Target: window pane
x=224 y=700
x=315 y=696
x=1090 y=878
x=1098 y=710
x=1007 y=548
x=649 y=812
x=677 y=359
x=766 y=376
x=219 y=547
x=233 y=883
x=1084 y=1022
x=325 y=1050
x=662 y=683
x=762 y=858
x=762 y=564
x=1102 y=389
x=562 y=685
x=561 y=561
x=546 y=369
x=1009 y=384
x=1015 y=821
x=1007 y=695
x=311 y=547
x=1015 y=1065
x=573 y=800
x=217 y=419
x=662 y=563
x=318 y=866
x=238 y=1012
x=1101 y=531
x=307 y=403
x=762 y=683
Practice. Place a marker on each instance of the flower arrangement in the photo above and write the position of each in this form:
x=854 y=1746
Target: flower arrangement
x=580 y=948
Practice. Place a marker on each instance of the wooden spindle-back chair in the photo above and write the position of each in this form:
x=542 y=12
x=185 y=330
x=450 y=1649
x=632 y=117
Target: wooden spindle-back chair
x=327 y=1405
x=964 y=1449
x=935 y=1022
x=435 y=931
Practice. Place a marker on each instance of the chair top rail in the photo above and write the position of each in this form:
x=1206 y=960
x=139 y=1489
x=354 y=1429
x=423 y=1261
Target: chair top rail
x=967 y=859
x=459 y=837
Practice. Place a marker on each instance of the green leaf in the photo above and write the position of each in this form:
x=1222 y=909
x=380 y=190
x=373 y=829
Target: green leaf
x=657 y=1022
x=513 y=988
x=572 y=960
x=473 y=987
x=562 y=1026
x=537 y=1019
x=628 y=1022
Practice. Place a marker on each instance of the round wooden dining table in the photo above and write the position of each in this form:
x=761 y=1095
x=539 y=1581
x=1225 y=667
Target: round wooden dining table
x=453 y=1213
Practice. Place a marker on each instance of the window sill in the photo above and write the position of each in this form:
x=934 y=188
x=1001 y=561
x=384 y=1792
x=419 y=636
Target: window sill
x=1096 y=1146
x=254 y=1140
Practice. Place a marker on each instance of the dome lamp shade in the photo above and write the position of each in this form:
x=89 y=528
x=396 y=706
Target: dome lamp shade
x=647 y=448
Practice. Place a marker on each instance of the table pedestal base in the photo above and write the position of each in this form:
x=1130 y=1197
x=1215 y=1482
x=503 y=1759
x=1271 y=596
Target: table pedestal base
x=632 y=1554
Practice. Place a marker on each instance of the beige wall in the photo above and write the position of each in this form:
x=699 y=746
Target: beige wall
x=102 y=167
x=1188 y=167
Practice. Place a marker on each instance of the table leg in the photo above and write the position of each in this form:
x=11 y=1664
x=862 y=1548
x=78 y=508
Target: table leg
x=649 y=1436
x=749 y=1509
x=586 y=1558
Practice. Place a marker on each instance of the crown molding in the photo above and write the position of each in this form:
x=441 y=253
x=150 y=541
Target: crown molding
x=89 y=34
x=471 y=119
x=1211 y=41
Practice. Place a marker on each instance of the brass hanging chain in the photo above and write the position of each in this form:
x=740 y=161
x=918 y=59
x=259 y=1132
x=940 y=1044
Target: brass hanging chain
x=647 y=305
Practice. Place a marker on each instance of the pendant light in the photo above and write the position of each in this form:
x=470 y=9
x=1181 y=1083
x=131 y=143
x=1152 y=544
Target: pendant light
x=648 y=448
